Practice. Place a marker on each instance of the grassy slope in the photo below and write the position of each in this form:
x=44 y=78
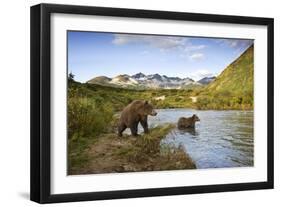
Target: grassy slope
x=233 y=88
x=237 y=78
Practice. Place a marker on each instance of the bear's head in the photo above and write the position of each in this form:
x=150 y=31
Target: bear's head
x=148 y=109
x=195 y=117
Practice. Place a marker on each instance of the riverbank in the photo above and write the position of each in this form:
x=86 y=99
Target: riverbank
x=109 y=153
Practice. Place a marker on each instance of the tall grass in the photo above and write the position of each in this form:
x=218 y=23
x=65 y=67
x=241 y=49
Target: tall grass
x=87 y=116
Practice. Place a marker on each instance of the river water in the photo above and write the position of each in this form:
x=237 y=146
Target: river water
x=220 y=139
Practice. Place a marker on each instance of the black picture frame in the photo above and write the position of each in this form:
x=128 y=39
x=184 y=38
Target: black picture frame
x=41 y=97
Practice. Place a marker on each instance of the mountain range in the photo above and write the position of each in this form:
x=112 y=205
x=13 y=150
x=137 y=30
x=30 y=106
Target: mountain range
x=156 y=81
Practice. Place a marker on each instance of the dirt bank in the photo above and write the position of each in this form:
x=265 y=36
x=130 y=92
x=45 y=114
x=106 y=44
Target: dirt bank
x=110 y=153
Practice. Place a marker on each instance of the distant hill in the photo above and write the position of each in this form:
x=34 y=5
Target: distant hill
x=100 y=80
x=206 y=80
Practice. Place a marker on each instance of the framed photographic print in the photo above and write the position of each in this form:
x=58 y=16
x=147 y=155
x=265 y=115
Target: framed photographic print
x=133 y=103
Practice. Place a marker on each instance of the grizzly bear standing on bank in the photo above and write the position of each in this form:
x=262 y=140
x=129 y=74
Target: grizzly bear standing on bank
x=135 y=112
x=184 y=123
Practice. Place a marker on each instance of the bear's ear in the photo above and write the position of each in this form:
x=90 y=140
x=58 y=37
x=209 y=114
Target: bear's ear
x=145 y=102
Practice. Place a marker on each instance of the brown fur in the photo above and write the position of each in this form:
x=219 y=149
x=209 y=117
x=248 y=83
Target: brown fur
x=135 y=112
x=189 y=122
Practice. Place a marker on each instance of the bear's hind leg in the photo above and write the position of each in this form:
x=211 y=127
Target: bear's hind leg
x=134 y=130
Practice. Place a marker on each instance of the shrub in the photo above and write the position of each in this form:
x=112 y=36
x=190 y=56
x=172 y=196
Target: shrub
x=87 y=116
x=178 y=99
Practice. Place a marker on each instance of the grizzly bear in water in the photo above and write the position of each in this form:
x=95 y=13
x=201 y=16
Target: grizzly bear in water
x=184 y=123
x=135 y=112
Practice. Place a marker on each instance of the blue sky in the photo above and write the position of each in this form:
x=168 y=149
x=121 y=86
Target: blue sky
x=92 y=54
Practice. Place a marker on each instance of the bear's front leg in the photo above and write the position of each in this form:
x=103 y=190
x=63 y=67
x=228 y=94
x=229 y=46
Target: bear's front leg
x=144 y=125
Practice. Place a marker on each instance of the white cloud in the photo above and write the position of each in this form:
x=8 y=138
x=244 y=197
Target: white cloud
x=145 y=52
x=191 y=52
x=199 y=74
x=183 y=45
x=235 y=43
x=189 y=48
x=161 y=42
x=196 y=56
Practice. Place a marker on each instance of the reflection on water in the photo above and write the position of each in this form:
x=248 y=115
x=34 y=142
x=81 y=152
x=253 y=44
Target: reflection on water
x=220 y=139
